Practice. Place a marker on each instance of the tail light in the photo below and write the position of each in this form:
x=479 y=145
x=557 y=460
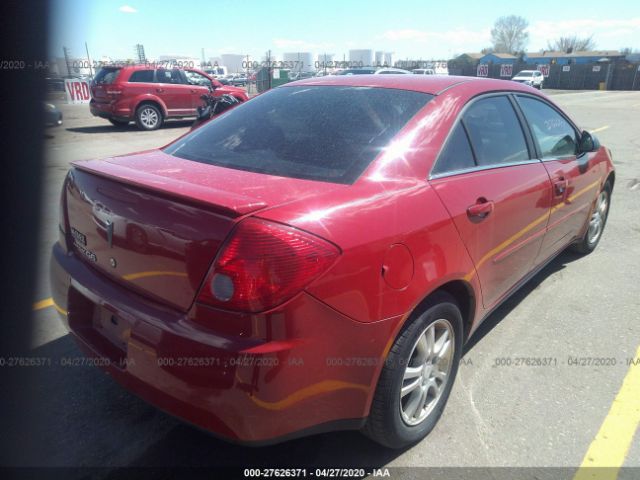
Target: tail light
x=264 y=264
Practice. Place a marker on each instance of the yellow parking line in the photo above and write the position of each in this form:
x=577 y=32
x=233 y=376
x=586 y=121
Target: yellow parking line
x=46 y=303
x=600 y=129
x=611 y=445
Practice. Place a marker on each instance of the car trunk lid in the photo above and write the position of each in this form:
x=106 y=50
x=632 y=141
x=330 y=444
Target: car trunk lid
x=154 y=223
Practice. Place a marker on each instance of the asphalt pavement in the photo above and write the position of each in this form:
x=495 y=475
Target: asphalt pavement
x=501 y=413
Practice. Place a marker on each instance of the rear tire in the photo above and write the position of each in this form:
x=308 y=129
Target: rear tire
x=418 y=375
x=148 y=117
x=595 y=223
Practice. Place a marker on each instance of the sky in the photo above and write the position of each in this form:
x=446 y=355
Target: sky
x=414 y=29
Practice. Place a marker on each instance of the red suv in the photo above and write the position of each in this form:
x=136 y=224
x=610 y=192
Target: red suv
x=150 y=95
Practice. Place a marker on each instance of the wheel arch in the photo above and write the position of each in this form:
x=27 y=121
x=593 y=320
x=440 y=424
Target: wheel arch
x=155 y=101
x=611 y=179
x=465 y=297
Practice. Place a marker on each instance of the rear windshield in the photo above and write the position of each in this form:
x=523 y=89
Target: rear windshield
x=326 y=133
x=524 y=74
x=107 y=75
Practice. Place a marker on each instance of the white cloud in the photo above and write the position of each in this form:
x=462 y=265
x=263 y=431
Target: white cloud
x=456 y=38
x=127 y=9
x=607 y=33
x=613 y=30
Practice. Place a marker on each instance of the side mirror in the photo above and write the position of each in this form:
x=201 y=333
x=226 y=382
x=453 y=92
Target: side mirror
x=588 y=142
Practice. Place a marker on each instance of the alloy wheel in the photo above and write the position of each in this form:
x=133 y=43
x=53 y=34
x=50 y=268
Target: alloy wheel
x=427 y=372
x=149 y=117
x=598 y=217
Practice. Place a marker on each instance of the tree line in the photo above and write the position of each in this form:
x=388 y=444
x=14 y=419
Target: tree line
x=509 y=35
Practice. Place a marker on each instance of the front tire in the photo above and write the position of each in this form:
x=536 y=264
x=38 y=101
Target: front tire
x=148 y=117
x=595 y=223
x=418 y=375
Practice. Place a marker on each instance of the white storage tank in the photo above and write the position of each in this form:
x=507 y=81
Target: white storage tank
x=361 y=58
x=299 y=61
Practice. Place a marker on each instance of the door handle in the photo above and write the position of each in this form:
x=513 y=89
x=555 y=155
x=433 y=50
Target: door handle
x=159 y=90
x=193 y=90
x=481 y=209
x=560 y=186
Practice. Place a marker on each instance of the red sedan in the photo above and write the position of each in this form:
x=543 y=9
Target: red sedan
x=316 y=258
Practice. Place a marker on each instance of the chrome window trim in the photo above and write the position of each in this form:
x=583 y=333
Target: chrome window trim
x=507 y=94
x=481 y=168
x=544 y=101
x=555 y=159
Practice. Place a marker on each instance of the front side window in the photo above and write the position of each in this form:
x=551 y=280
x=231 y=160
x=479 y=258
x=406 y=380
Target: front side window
x=495 y=132
x=553 y=134
x=194 y=78
x=326 y=133
x=169 y=76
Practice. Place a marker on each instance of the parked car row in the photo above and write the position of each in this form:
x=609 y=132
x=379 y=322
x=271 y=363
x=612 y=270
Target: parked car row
x=385 y=71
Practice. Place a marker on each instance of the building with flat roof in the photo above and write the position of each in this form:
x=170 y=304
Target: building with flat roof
x=234 y=62
x=299 y=61
x=498 y=58
x=563 y=58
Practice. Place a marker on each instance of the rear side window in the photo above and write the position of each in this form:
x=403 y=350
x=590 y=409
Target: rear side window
x=457 y=154
x=107 y=75
x=554 y=135
x=169 y=76
x=142 y=76
x=327 y=133
x=495 y=132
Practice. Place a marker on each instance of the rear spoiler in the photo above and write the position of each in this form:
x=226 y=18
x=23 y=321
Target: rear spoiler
x=230 y=204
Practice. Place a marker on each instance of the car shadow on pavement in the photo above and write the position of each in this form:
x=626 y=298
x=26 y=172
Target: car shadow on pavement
x=108 y=128
x=186 y=446
x=559 y=263
x=75 y=415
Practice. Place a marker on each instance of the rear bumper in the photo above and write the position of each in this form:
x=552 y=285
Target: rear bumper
x=252 y=379
x=118 y=110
